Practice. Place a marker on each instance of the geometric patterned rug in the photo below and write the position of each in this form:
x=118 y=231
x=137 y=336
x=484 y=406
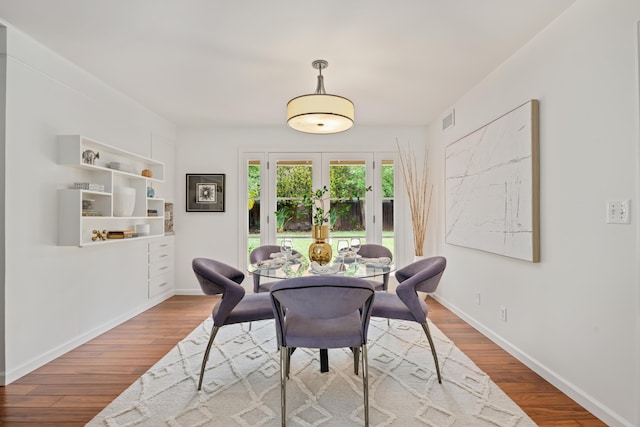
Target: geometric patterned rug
x=241 y=386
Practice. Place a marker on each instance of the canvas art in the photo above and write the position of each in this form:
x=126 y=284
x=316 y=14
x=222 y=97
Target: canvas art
x=492 y=186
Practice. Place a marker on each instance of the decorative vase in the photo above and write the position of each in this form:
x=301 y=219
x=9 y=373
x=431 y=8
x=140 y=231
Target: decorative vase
x=124 y=200
x=320 y=250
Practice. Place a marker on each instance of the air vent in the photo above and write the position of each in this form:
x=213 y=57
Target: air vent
x=449 y=120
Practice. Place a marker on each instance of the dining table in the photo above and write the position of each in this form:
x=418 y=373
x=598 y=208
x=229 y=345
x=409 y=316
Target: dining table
x=278 y=267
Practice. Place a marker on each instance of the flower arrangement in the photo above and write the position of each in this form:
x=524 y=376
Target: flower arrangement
x=315 y=201
x=419 y=192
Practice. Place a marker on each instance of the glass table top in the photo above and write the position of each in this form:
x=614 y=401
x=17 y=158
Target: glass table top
x=298 y=267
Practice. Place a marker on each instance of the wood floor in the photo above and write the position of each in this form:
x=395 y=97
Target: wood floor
x=72 y=389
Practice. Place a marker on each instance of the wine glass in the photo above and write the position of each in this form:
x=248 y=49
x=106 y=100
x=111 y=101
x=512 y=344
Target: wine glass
x=355 y=247
x=343 y=248
x=286 y=248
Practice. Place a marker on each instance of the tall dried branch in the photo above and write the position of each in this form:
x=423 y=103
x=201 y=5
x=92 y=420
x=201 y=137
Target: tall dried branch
x=419 y=192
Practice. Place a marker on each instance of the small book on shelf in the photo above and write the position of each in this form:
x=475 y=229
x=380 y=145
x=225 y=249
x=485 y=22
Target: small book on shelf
x=124 y=234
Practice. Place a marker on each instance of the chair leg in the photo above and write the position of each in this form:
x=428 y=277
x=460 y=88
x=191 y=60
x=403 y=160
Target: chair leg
x=365 y=383
x=356 y=359
x=284 y=357
x=205 y=359
x=425 y=326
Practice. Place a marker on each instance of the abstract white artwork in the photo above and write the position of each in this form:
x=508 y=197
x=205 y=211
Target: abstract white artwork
x=492 y=186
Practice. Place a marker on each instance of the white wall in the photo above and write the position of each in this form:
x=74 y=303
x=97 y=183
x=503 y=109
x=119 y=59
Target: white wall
x=574 y=316
x=216 y=150
x=58 y=297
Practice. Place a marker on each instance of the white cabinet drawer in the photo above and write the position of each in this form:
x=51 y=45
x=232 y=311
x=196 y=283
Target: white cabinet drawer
x=160 y=267
x=161 y=245
x=160 y=254
x=160 y=284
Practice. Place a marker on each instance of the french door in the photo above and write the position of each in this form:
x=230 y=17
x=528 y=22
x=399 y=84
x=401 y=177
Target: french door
x=275 y=183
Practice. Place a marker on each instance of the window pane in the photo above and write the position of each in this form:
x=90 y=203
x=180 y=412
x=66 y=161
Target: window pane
x=388 y=185
x=347 y=180
x=293 y=179
x=253 y=198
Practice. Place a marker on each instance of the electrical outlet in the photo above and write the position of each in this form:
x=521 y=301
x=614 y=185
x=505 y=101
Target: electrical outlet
x=503 y=313
x=478 y=298
x=618 y=212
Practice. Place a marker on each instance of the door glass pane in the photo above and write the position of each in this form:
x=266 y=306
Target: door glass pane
x=347 y=184
x=388 y=197
x=293 y=179
x=254 y=202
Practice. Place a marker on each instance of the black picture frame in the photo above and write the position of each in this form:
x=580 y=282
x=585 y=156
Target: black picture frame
x=205 y=192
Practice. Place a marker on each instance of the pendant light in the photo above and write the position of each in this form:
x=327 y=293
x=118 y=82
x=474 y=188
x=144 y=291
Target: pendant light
x=319 y=112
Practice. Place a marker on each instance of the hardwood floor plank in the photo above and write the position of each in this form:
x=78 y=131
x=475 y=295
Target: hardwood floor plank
x=72 y=389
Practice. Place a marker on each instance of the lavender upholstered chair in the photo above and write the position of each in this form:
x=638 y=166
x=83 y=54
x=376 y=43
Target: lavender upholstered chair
x=216 y=278
x=262 y=253
x=423 y=275
x=322 y=312
x=374 y=250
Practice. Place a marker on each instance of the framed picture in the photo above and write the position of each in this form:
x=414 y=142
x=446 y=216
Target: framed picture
x=205 y=192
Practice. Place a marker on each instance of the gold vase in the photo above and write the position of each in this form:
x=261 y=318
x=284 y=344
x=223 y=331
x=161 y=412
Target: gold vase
x=320 y=250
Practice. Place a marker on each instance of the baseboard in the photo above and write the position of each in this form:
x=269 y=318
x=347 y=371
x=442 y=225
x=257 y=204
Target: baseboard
x=33 y=364
x=580 y=396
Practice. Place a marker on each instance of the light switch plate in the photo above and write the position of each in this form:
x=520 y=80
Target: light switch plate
x=618 y=212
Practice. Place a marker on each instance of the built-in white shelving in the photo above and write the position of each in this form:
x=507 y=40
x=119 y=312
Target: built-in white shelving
x=112 y=170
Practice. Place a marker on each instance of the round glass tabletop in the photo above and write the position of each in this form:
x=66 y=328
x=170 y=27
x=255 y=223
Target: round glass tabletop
x=278 y=269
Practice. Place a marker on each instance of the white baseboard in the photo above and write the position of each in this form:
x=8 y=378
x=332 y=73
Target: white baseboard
x=35 y=363
x=584 y=399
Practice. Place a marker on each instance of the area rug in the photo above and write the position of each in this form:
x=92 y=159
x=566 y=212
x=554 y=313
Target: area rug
x=242 y=384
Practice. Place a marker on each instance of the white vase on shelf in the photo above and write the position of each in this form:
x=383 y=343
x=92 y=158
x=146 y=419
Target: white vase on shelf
x=124 y=201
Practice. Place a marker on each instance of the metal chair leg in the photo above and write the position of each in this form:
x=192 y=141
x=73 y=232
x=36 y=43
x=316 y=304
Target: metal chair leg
x=365 y=383
x=284 y=357
x=356 y=359
x=425 y=326
x=205 y=359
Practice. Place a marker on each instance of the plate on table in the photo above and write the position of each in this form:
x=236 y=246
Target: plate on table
x=349 y=259
x=376 y=264
x=270 y=265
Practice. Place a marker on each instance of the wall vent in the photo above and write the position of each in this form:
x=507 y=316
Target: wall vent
x=449 y=120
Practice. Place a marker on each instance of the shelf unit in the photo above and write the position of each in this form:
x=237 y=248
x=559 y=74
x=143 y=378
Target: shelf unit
x=75 y=229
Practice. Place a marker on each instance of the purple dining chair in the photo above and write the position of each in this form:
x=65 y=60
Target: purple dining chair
x=424 y=276
x=263 y=253
x=374 y=250
x=216 y=278
x=322 y=312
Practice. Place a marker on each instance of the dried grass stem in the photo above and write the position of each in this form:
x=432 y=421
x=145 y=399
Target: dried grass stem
x=419 y=192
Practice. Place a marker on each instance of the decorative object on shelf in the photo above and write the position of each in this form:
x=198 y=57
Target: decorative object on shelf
x=89 y=157
x=168 y=218
x=120 y=166
x=152 y=212
x=99 y=235
x=492 y=186
x=88 y=186
x=147 y=173
x=319 y=249
x=151 y=192
x=419 y=191
x=319 y=112
x=124 y=234
x=205 y=192
x=124 y=201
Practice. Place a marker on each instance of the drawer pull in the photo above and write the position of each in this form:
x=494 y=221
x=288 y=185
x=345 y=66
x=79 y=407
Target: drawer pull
x=164 y=268
x=163 y=284
x=164 y=256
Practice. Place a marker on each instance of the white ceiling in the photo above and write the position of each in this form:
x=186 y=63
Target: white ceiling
x=214 y=62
